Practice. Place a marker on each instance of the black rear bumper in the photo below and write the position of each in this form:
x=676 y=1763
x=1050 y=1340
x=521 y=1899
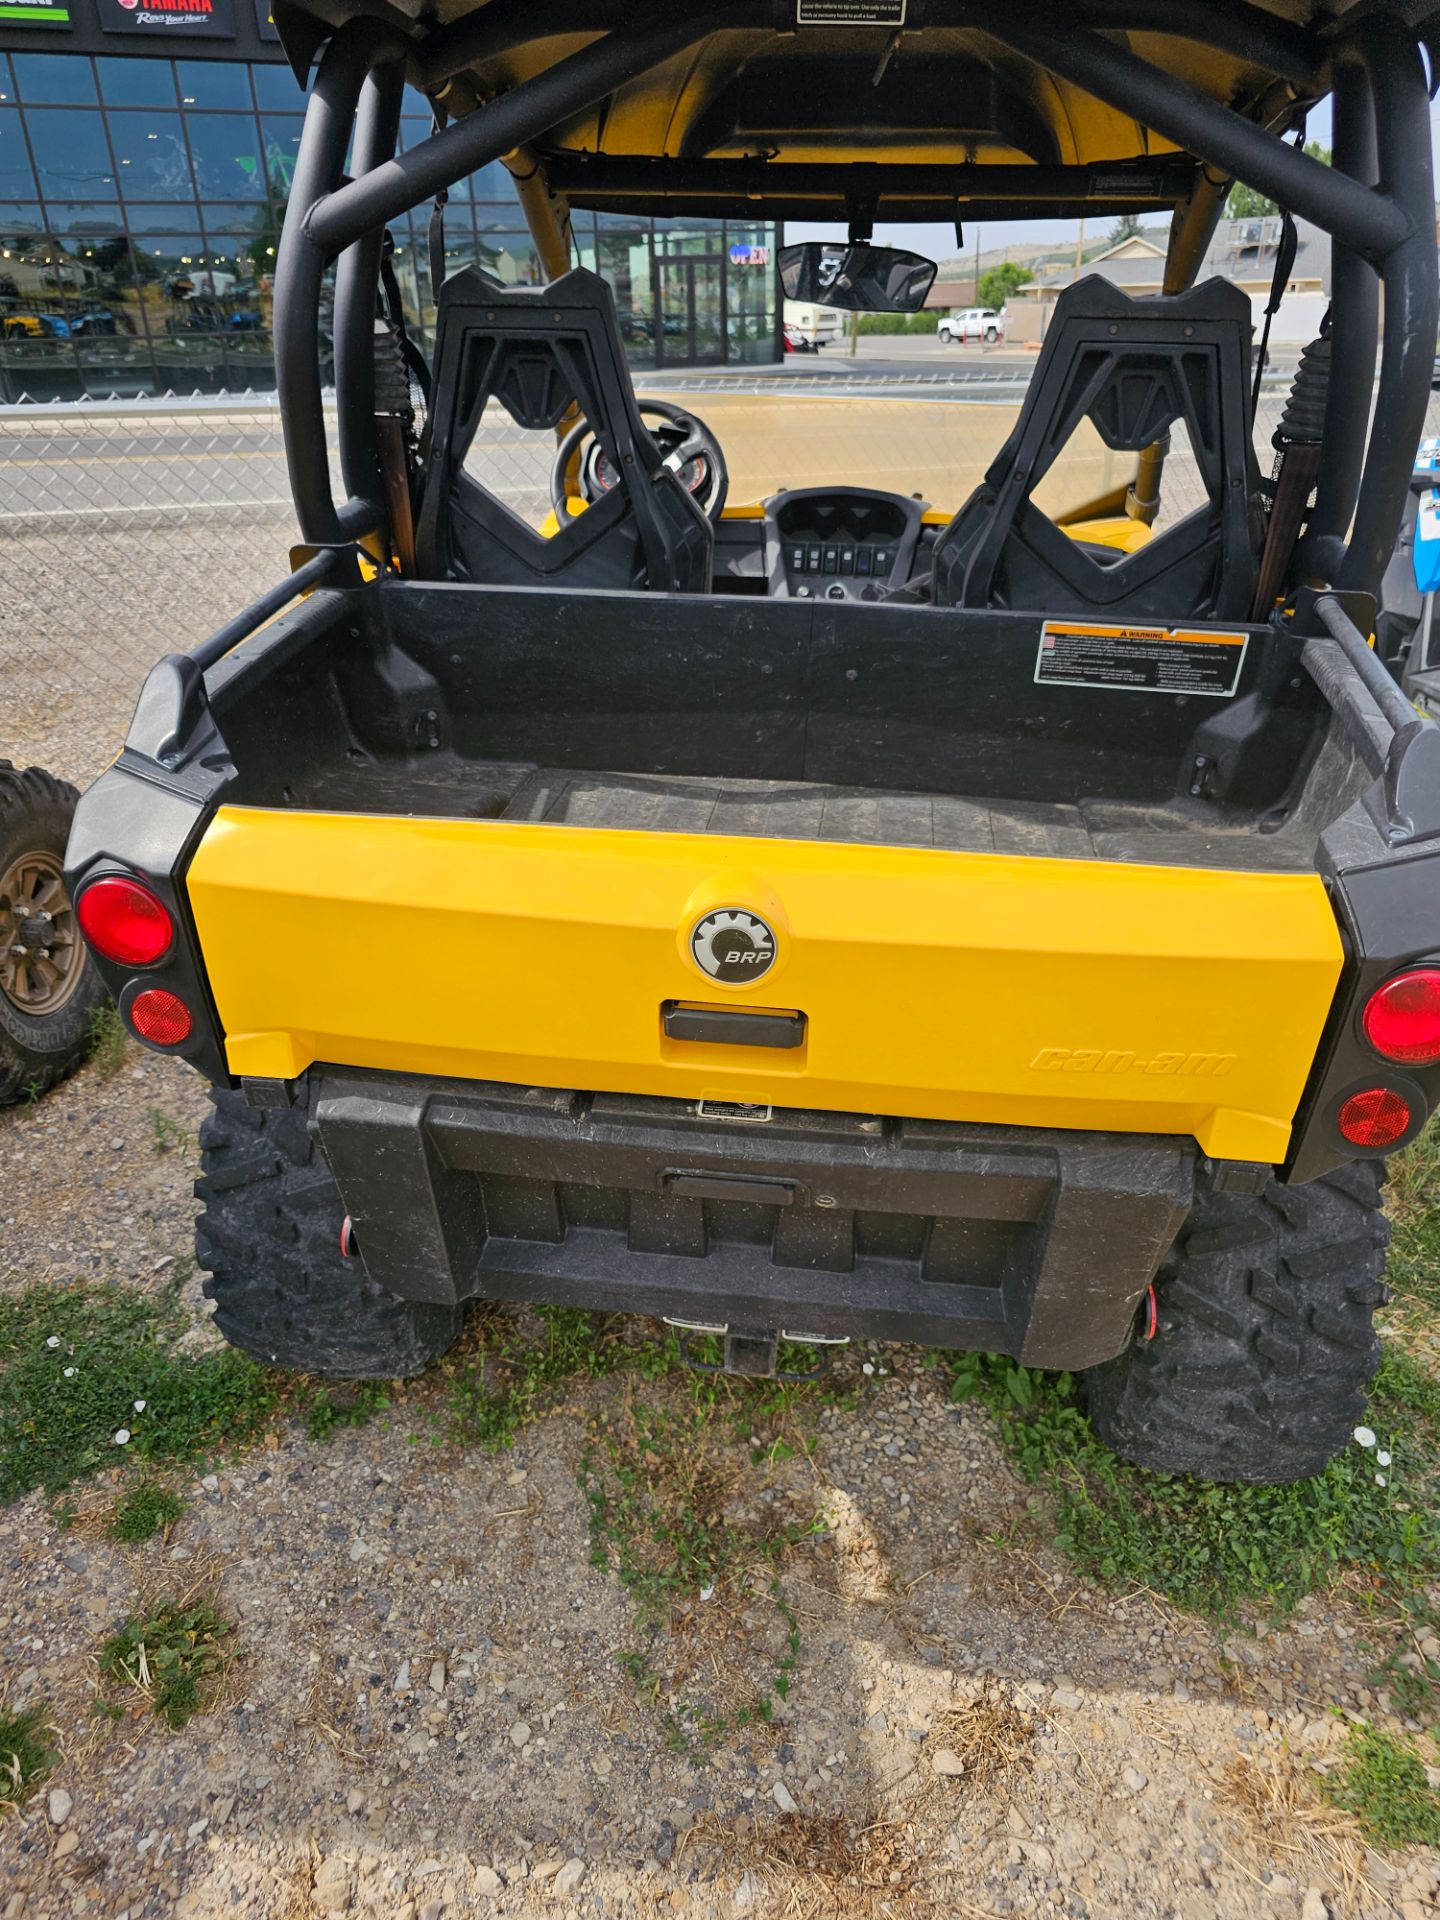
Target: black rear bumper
x=1037 y=1244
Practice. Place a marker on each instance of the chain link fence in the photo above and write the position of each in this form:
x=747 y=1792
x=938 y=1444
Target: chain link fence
x=131 y=530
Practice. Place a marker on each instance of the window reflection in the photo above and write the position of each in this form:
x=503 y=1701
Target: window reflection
x=150 y=155
x=72 y=156
x=138 y=252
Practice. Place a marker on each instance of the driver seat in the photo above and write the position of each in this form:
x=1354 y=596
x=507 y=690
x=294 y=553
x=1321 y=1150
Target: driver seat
x=539 y=352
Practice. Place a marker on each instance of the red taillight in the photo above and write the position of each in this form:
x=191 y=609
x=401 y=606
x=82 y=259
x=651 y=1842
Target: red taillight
x=126 y=922
x=1402 y=1018
x=1375 y=1118
x=161 y=1017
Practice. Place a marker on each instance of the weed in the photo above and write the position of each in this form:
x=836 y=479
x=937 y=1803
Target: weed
x=515 y=1379
x=27 y=1753
x=324 y=1415
x=1413 y=1182
x=670 y=1484
x=174 y=1653
x=1214 y=1549
x=92 y=1374
x=146 y=1510
x=1383 y=1782
x=108 y=1040
x=167 y=1134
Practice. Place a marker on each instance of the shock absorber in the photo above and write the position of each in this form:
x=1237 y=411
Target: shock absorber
x=1297 y=467
x=394 y=435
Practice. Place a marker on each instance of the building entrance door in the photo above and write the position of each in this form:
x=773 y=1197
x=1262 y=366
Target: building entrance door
x=690 y=309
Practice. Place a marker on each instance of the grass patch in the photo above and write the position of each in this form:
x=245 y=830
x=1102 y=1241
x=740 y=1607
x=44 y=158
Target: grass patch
x=108 y=1040
x=1413 y=1194
x=27 y=1753
x=1383 y=1783
x=515 y=1378
x=326 y=1413
x=686 y=1511
x=1214 y=1550
x=82 y=1365
x=167 y=1134
x=146 y=1510
x=173 y=1653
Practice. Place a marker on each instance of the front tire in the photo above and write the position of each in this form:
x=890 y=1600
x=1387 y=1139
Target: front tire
x=270 y=1239
x=1264 y=1344
x=49 y=989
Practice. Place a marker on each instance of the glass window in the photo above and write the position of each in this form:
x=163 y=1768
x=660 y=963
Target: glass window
x=62 y=78
x=17 y=181
x=7 y=84
x=18 y=216
x=215 y=84
x=280 y=134
x=163 y=217
x=511 y=257
x=136 y=83
x=276 y=91
x=151 y=157
x=71 y=154
x=497 y=183
x=625 y=263
x=226 y=150
x=750 y=293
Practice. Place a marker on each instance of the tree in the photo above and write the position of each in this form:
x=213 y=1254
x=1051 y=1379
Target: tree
x=998 y=283
x=1125 y=228
x=1247 y=203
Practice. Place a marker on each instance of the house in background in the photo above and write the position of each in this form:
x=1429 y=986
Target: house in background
x=1243 y=252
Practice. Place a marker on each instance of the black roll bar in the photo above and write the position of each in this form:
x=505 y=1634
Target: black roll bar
x=1356 y=215
x=1354 y=327
x=377 y=128
x=1412 y=297
x=300 y=270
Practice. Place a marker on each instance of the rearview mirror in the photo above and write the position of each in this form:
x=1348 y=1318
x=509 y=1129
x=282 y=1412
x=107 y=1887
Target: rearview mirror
x=858 y=278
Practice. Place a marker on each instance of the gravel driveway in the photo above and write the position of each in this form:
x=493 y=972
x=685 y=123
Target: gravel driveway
x=430 y=1717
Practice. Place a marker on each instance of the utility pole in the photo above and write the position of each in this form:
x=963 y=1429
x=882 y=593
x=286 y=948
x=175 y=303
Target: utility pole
x=976 y=299
x=1080 y=248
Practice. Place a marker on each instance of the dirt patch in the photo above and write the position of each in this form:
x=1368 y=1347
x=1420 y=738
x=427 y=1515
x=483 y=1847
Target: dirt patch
x=431 y=1711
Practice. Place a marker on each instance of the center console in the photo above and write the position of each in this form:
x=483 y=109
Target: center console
x=831 y=543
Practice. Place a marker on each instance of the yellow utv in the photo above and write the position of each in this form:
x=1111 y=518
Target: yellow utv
x=813 y=912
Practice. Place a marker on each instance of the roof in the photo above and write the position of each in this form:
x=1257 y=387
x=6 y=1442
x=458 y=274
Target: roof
x=764 y=109
x=1242 y=251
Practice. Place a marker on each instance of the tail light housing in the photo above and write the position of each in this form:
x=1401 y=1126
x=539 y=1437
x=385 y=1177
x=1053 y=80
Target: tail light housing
x=161 y=1017
x=1401 y=1019
x=1374 y=1119
x=125 y=922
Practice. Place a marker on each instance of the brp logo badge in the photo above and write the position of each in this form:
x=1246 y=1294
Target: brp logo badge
x=733 y=946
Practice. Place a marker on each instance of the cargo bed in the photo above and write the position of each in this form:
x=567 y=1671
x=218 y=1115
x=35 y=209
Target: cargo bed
x=904 y=727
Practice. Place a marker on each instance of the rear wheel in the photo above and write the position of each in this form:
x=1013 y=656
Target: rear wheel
x=991 y=335
x=270 y=1239
x=48 y=984
x=1264 y=1341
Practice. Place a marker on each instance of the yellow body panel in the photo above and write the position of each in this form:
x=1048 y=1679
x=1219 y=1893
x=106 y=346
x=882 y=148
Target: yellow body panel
x=1119 y=531
x=984 y=987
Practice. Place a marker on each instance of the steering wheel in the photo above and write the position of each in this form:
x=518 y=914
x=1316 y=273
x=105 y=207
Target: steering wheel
x=690 y=451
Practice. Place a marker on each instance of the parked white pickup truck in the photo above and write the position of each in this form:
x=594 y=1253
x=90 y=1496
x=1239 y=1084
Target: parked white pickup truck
x=975 y=323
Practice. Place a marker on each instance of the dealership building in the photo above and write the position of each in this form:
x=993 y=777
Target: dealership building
x=146 y=153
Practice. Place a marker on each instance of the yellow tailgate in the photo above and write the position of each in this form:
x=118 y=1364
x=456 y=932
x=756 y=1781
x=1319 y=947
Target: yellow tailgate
x=957 y=986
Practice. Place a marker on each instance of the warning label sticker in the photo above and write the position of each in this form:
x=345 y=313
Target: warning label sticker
x=1140 y=659
x=850 y=13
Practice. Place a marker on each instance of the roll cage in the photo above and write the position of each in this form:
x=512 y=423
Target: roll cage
x=511 y=78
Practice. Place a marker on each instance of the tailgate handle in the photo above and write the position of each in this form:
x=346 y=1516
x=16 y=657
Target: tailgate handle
x=732 y=1027
x=728 y=1186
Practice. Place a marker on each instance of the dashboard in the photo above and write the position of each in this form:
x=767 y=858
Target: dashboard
x=839 y=543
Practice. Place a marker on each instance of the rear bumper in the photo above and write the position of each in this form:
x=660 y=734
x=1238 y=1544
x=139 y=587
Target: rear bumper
x=1035 y=1243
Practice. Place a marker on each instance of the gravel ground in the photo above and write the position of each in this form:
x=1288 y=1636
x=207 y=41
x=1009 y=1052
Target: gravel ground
x=427 y=1719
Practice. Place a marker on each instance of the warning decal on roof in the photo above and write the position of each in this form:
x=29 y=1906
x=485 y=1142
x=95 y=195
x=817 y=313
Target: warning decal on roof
x=1140 y=659
x=850 y=13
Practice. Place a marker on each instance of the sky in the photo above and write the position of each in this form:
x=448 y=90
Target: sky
x=937 y=242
